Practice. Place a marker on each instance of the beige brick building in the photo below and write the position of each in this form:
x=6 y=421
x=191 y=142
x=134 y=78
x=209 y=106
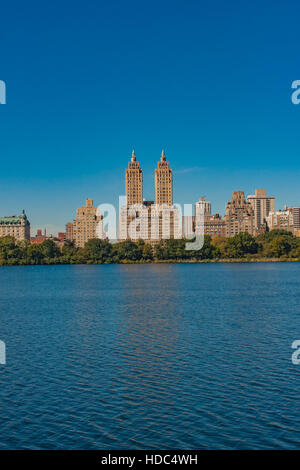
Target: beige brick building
x=146 y=220
x=239 y=216
x=163 y=182
x=87 y=225
x=134 y=182
x=17 y=227
x=262 y=205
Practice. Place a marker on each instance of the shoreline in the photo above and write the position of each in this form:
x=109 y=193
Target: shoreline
x=204 y=261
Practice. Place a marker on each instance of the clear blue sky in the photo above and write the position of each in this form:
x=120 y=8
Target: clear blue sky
x=210 y=82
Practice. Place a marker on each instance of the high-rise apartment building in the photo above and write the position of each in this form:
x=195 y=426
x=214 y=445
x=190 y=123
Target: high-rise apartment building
x=69 y=231
x=239 y=215
x=17 y=227
x=262 y=205
x=202 y=207
x=145 y=220
x=163 y=182
x=296 y=215
x=134 y=182
x=87 y=225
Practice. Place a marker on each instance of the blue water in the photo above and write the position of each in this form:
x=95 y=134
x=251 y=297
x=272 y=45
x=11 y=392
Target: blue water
x=165 y=356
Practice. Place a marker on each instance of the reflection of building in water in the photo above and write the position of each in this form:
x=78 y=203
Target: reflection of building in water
x=141 y=219
x=148 y=338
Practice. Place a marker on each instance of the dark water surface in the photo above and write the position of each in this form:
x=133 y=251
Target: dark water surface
x=150 y=356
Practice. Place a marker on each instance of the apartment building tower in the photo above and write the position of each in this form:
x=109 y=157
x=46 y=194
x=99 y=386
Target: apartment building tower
x=134 y=182
x=87 y=225
x=163 y=182
x=262 y=205
x=239 y=216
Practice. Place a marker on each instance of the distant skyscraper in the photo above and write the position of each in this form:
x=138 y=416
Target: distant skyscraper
x=262 y=205
x=134 y=182
x=163 y=182
x=87 y=224
x=239 y=215
x=17 y=227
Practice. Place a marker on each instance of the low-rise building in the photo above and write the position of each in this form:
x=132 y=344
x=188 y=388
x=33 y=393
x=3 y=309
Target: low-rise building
x=39 y=238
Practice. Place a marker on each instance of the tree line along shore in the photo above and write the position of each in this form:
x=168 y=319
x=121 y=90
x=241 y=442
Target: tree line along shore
x=277 y=245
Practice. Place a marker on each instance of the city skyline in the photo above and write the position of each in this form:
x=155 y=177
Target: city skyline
x=104 y=79
x=149 y=220
x=36 y=226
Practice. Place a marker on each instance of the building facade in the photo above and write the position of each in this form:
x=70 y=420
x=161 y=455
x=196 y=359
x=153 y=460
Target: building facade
x=146 y=220
x=39 y=238
x=202 y=207
x=134 y=182
x=296 y=215
x=87 y=225
x=17 y=227
x=239 y=216
x=281 y=220
x=69 y=231
x=163 y=182
x=214 y=226
x=262 y=205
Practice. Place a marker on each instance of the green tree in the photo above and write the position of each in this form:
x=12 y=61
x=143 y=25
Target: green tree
x=127 y=251
x=97 y=251
x=241 y=244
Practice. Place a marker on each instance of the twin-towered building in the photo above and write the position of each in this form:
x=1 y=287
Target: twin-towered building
x=149 y=220
x=163 y=181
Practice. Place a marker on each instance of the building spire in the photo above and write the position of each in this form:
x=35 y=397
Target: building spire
x=133 y=159
x=163 y=156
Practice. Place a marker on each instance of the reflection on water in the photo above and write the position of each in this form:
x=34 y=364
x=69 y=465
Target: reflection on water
x=150 y=356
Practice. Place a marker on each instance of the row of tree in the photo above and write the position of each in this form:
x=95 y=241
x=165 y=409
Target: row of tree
x=275 y=244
